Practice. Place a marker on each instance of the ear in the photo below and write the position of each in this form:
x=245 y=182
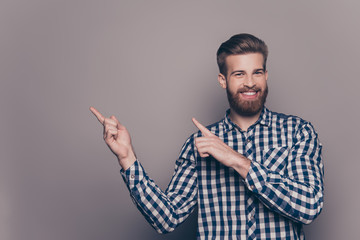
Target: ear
x=222 y=80
x=266 y=75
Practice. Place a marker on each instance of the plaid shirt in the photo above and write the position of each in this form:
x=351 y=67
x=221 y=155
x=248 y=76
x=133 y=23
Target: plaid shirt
x=282 y=191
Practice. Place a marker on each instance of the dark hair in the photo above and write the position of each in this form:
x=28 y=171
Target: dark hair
x=242 y=43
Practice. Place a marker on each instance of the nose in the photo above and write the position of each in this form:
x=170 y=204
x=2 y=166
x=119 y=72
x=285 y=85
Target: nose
x=249 y=82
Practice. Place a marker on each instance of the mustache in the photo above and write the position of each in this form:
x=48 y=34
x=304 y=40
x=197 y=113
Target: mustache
x=247 y=89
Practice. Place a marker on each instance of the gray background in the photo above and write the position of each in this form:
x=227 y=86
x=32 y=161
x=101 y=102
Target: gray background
x=152 y=64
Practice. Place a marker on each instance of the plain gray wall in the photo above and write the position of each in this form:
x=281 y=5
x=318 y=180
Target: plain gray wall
x=152 y=64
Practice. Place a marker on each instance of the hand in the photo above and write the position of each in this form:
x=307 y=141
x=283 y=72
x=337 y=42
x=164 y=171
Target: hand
x=117 y=138
x=210 y=144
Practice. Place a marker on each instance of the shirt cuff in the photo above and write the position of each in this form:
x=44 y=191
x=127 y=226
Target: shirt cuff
x=256 y=177
x=133 y=175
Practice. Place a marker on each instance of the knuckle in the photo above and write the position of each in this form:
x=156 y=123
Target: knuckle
x=109 y=121
x=108 y=133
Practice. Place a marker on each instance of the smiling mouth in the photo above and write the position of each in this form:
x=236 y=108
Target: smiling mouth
x=249 y=95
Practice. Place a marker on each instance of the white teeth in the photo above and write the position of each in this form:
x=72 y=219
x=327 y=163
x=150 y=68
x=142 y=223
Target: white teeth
x=249 y=93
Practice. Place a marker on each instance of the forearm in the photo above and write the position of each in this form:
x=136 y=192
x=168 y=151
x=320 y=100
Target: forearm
x=298 y=199
x=163 y=210
x=288 y=180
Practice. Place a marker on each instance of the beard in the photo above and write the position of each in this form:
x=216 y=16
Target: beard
x=247 y=107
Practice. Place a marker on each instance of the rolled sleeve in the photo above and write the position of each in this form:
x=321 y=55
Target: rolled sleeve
x=256 y=178
x=133 y=175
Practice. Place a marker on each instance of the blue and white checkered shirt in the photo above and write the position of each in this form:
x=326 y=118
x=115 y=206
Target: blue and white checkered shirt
x=282 y=191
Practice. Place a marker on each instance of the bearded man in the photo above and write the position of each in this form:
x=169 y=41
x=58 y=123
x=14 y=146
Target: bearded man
x=255 y=174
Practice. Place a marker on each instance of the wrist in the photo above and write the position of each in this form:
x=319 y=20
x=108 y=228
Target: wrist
x=242 y=165
x=126 y=162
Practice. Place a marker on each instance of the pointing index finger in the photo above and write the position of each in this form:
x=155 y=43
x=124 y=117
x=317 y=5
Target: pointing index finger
x=98 y=115
x=202 y=128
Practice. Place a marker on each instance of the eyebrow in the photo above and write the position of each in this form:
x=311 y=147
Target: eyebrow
x=242 y=71
x=237 y=71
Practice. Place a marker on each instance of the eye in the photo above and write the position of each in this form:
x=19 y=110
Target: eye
x=239 y=74
x=260 y=72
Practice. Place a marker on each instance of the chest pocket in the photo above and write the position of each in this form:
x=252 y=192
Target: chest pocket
x=276 y=158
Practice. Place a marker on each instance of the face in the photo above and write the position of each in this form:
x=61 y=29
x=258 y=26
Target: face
x=245 y=83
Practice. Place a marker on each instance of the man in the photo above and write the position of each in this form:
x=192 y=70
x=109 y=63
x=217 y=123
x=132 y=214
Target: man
x=255 y=174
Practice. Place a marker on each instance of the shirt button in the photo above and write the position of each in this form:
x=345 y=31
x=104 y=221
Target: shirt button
x=252 y=187
x=248 y=140
x=132 y=176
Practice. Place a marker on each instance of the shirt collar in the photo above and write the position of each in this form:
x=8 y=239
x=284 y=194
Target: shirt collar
x=264 y=119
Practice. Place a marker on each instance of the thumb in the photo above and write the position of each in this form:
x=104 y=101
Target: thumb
x=118 y=124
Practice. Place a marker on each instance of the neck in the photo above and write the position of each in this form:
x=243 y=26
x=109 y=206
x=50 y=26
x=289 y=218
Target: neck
x=244 y=122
